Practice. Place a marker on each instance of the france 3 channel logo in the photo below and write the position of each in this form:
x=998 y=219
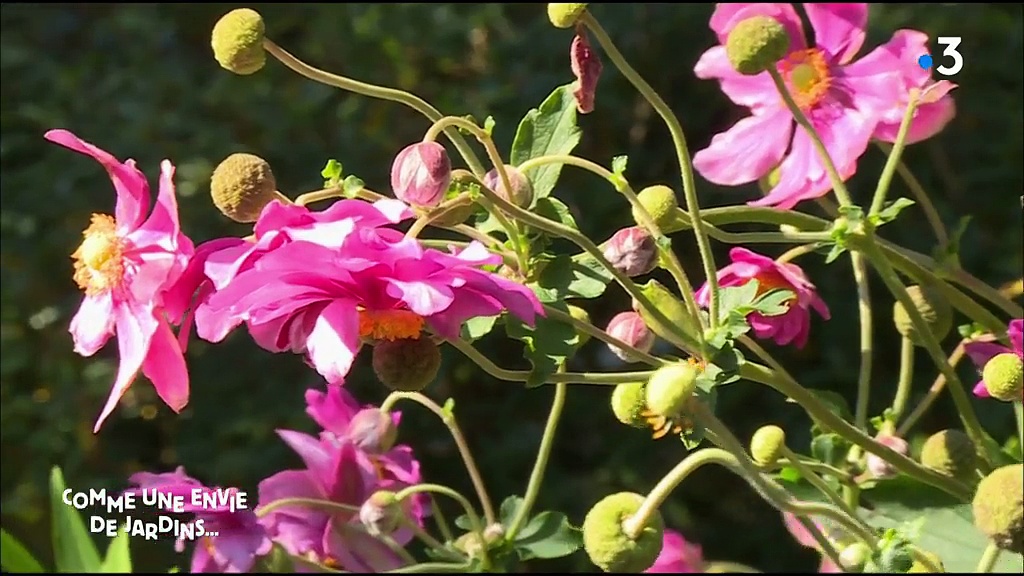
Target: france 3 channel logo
x=950 y=52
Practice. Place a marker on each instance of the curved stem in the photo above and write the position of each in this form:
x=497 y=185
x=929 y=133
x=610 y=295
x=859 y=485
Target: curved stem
x=311 y=502
x=682 y=155
x=318 y=195
x=816 y=481
x=460 y=442
x=796 y=252
x=440 y=520
x=933 y=393
x=860 y=275
x=921 y=196
x=899 y=403
x=878 y=202
x=438 y=212
x=427 y=539
x=474 y=520
x=988 y=559
x=1018 y=415
x=926 y=560
x=432 y=568
x=820 y=467
x=379 y=92
x=547 y=441
x=601 y=335
x=727 y=567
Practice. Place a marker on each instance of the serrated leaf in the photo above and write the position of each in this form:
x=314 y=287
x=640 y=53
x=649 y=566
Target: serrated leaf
x=619 y=164
x=478 y=327
x=548 y=535
x=547 y=345
x=773 y=303
x=734 y=297
x=563 y=278
x=508 y=509
x=352 y=185
x=119 y=555
x=554 y=209
x=449 y=408
x=548 y=130
x=331 y=173
x=14 y=557
x=73 y=548
x=891 y=211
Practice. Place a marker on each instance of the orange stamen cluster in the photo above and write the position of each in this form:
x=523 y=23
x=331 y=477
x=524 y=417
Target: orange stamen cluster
x=772 y=280
x=389 y=324
x=99 y=260
x=662 y=425
x=807 y=74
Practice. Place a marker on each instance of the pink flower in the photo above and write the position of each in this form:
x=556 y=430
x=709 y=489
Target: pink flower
x=982 y=351
x=848 y=102
x=794 y=325
x=629 y=327
x=632 y=251
x=678 y=556
x=586 y=66
x=421 y=174
x=805 y=539
x=125 y=266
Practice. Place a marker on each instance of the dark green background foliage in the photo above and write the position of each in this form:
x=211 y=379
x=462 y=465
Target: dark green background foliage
x=140 y=81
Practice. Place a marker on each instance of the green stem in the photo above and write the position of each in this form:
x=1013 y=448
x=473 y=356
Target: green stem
x=824 y=545
x=860 y=276
x=427 y=539
x=438 y=212
x=921 y=196
x=318 y=195
x=1018 y=414
x=474 y=520
x=926 y=560
x=440 y=519
x=816 y=481
x=843 y=476
x=460 y=442
x=899 y=402
x=796 y=252
x=379 y=92
x=432 y=568
x=601 y=335
x=933 y=393
x=727 y=567
x=547 y=441
x=310 y=502
x=878 y=202
x=682 y=155
x=988 y=559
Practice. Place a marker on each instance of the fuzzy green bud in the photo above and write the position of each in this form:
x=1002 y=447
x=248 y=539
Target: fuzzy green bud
x=934 y=309
x=755 y=44
x=670 y=387
x=237 y=41
x=855 y=556
x=999 y=507
x=581 y=315
x=1004 y=377
x=470 y=544
x=629 y=400
x=381 y=514
x=920 y=567
x=241 y=186
x=565 y=14
x=660 y=202
x=950 y=452
x=672 y=309
x=766 y=444
x=606 y=541
x=406 y=365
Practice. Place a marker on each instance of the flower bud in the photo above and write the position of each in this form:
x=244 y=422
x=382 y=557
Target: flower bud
x=1004 y=377
x=470 y=544
x=421 y=174
x=381 y=514
x=373 y=431
x=755 y=44
x=632 y=251
x=237 y=41
x=494 y=533
x=920 y=567
x=629 y=327
x=241 y=186
x=629 y=400
x=660 y=202
x=766 y=444
x=581 y=315
x=668 y=306
x=855 y=556
x=933 y=308
x=999 y=507
x=670 y=387
x=878 y=467
x=606 y=542
x=565 y=14
x=406 y=365
x=522 y=190
x=586 y=66
x=950 y=452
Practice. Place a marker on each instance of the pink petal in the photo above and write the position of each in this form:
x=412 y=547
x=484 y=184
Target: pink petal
x=315 y=455
x=136 y=325
x=747 y=151
x=333 y=410
x=423 y=298
x=838 y=28
x=928 y=120
x=289 y=484
x=93 y=325
x=754 y=92
x=981 y=352
x=165 y=367
x=728 y=15
x=334 y=341
x=359 y=552
x=162 y=227
x=1015 y=332
x=980 y=390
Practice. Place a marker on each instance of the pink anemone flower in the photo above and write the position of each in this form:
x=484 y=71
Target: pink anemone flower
x=678 y=556
x=981 y=352
x=848 y=102
x=125 y=266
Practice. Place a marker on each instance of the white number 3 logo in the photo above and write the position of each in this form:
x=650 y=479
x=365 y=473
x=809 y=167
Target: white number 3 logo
x=951 y=43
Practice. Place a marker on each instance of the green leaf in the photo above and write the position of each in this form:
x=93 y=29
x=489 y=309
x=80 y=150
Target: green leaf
x=773 y=302
x=547 y=345
x=692 y=437
x=73 y=548
x=835 y=403
x=563 y=278
x=830 y=449
x=352 y=185
x=891 y=211
x=508 y=509
x=548 y=535
x=449 y=408
x=619 y=165
x=14 y=557
x=464 y=523
x=278 y=561
x=119 y=555
x=548 y=130
x=736 y=297
x=478 y=327
x=332 y=173
x=555 y=209
x=489 y=125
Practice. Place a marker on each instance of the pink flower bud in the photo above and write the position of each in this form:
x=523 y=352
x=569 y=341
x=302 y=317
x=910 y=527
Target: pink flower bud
x=373 y=431
x=630 y=328
x=586 y=65
x=632 y=251
x=421 y=174
x=522 y=190
x=878 y=467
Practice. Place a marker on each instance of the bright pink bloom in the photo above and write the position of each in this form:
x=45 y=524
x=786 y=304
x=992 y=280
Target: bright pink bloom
x=793 y=326
x=982 y=351
x=421 y=173
x=678 y=556
x=848 y=102
x=805 y=539
x=125 y=266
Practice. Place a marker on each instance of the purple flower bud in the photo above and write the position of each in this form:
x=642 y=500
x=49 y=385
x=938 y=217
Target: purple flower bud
x=421 y=174
x=878 y=467
x=630 y=328
x=373 y=431
x=522 y=190
x=632 y=251
x=381 y=514
x=586 y=65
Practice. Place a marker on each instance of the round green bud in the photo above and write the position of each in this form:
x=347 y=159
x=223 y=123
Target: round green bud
x=670 y=387
x=470 y=544
x=950 y=452
x=565 y=14
x=1004 y=377
x=660 y=202
x=999 y=507
x=920 y=567
x=767 y=443
x=608 y=545
x=855 y=556
x=629 y=400
x=755 y=44
x=237 y=41
x=241 y=186
x=934 y=309
x=581 y=315
x=406 y=365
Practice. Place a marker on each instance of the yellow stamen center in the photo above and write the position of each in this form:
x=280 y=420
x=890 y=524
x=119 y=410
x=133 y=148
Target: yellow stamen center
x=99 y=262
x=389 y=324
x=808 y=75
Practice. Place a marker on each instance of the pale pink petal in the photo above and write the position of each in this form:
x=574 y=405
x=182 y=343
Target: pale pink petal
x=748 y=150
x=754 y=92
x=980 y=390
x=728 y=15
x=162 y=227
x=1015 y=332
x=165 y=367
x=334 y=341
x=359 y=552
x=981 y=352
x=315 y=455
x=93 y=325
x=333 y=410
x=838 y=28
x=423 y=298
x=135 y=327
x=929 y=120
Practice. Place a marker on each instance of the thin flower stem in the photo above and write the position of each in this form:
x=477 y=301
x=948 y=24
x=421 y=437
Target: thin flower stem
x=860 y=276
x=824 y=545
x=460 y=442
x=438 y=212
x=921 y=196
x=318 y=195
x=317 y=566
x=843 y=476
x=988 y=559
x=547 y=441
x=727 y=567
x=474 y=519
x=440 y=519
x=432 y=568
x=796 y=252
x=427 y=539
x=899 y=402
x=884 y=181
x=603 y=336
x=379 y=92
x=933 y=393
x=1018 y=414
x=814 y=480
x=926 y=560
x=682 y=155
x=310 y=502
x=397 y=548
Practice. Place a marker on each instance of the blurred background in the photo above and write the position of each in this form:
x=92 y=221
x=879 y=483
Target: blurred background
x=140 y=81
